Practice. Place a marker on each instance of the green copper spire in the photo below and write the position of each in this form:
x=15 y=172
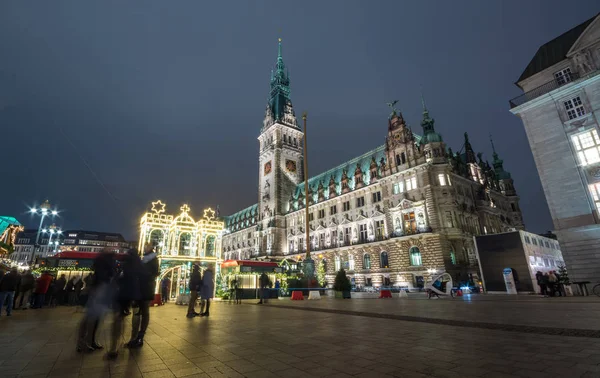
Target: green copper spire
x=280 y=88
x=498 y=163
x=429 y=134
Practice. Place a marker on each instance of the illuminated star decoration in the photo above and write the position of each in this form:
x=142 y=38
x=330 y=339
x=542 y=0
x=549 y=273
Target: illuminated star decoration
x=158 y=207
x=209 y=214
x=185 y=208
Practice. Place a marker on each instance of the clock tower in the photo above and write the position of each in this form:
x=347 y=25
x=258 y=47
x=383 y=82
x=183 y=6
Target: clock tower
x=280 y=162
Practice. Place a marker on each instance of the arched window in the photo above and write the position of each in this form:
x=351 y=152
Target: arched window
x=156 y=239
x=383 y=260
x=415 y=256
x=367 y=261
x=338 y=263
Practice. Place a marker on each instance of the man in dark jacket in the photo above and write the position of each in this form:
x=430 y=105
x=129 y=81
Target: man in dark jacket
x=141 y=308
x=263 y=282
x=8 y=286
x=25 y=290
x=195 y=283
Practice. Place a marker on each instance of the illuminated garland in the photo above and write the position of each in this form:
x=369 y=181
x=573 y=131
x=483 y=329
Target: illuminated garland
x=61 y=268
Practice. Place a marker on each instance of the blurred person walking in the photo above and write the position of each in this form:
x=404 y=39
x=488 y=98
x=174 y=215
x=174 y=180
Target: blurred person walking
x=8 y=286
x=25 y=290
x=149 y=270
x=99 y=300
x=128 y=286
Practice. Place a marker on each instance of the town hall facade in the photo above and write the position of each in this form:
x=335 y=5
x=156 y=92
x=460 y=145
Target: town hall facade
x=391 y=216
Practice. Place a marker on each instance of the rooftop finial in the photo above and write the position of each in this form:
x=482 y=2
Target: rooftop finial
x=279 y=48
x=423 y=101
x=492 y=141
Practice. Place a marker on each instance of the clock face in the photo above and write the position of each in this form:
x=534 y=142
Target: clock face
x=397 y=136
x=267 y=169
x=290 y=165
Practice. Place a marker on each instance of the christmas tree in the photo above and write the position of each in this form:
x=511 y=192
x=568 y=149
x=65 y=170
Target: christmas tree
x=321 y=273
x=564 y=276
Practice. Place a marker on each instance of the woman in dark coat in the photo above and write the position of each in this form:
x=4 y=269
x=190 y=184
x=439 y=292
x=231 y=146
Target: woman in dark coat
x=148 y=272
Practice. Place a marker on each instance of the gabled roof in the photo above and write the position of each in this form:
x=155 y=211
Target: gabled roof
x=554 y=51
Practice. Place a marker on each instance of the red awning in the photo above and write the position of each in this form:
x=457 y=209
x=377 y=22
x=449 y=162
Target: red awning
x=232 y=263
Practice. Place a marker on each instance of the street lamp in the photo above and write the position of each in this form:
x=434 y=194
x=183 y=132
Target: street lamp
x=43 y=211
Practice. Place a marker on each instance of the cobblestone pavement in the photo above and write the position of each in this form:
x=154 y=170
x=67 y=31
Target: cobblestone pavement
x=266 y=341
x=571 y=313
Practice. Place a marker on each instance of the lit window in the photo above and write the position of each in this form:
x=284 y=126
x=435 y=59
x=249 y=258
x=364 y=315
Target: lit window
x=563 y=76
x=452 y=257
x=442 y=178
x=338 y=263
x=415 y=256
x=383 y=260
x=398 y=187
x=363 y=232
x=367 y=261
x=379 y=230
x=574 y=108
x=587 y=146
x=411 y=183
x=350 y=262
x=595 y=190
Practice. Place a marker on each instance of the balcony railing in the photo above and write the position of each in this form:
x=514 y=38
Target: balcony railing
x=543 y=89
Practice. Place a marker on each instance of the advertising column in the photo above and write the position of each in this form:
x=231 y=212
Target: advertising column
x=509 y=281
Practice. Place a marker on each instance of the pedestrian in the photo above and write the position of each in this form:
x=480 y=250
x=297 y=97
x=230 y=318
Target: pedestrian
x=544 y=284
x=42 y=284
x=149 y=270
x=99 y=300
x=82 y=298
x=59 y=289
x=128 y=291
x=8 y=286
x=207 y=291
x=77 y=288
x=238 y=291
x=552 y=282
x=559 y=286
x=25 y=290
x=195 y=287
x=263 y=281
x=538 y=278
x=165 y=289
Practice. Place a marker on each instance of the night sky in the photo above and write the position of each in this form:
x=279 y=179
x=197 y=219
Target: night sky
x=106 y=106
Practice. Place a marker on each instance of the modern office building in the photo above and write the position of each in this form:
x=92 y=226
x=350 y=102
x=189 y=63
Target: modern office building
x=560 y=109
x=523 y=252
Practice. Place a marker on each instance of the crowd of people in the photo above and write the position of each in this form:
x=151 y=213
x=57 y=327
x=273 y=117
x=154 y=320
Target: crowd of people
x=24 y=290
x=549 y=283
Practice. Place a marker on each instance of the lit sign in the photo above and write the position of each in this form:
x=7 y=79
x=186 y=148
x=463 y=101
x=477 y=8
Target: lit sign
x=72 y=235
x=67 y=262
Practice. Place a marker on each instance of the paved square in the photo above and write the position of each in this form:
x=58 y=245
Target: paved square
x=272 y=341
